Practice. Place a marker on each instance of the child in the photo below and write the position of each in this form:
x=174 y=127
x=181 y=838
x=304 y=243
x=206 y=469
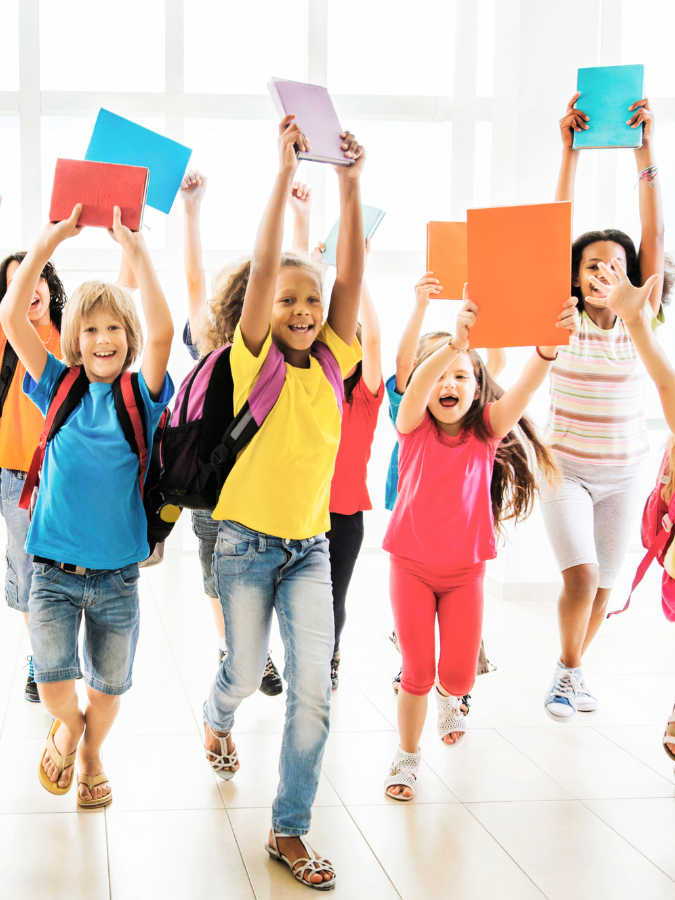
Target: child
x=88 y=530
x=272 y=552
x=454 y=426
x=20 y=427
x=214 y=318
x=631 y=305
x=596 y=424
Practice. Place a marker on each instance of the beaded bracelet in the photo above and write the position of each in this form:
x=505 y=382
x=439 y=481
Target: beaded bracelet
x=648 y=175
x=547 y=358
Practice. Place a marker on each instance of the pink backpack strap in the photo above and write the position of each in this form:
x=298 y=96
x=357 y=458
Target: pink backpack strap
x=331 y=370
x=655 y=548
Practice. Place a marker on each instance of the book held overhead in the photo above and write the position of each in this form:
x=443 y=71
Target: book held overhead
x=606 y=93
x=372 y=217
x=99 y=187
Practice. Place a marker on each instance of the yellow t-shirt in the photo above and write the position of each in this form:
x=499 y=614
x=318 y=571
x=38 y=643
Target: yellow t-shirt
x=21 y=423
x=280 y=485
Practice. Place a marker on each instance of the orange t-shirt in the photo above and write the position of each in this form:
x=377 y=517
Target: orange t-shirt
x=21 y=422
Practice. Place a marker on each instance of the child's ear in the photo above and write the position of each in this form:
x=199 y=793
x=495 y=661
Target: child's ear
x=575 y=280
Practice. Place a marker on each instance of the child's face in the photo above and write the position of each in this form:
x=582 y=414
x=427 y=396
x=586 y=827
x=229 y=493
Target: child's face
x=600 y=251
x=454 y=392
x=38 y=312
x=297 y=313
x=103 y=345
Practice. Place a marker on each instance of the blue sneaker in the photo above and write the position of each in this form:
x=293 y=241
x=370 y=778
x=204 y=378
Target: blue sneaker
x=561 y=700
x=31 y=689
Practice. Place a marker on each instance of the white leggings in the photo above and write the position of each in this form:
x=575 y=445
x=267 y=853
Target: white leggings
x=589 y=520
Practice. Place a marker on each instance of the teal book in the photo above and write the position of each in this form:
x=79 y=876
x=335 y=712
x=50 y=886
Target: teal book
x=606 y=94
x=118 y=140
x=372 y=216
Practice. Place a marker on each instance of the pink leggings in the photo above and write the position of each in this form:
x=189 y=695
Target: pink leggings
x=418 y=594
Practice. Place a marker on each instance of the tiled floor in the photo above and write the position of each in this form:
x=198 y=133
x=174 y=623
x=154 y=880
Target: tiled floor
x=522 y=808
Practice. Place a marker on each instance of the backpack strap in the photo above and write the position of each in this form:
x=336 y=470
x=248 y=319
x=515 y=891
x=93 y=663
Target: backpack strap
x=331 y=370
x=9 y=363
x=68 y=392
x=656 y=546
x=131 y=415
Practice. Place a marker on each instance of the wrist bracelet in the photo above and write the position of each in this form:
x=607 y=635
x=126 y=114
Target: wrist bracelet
x=648 y=175
x=452 y=346
x=546 y=358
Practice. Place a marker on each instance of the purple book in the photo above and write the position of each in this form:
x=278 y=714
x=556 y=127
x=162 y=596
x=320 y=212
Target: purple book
x=316 y=116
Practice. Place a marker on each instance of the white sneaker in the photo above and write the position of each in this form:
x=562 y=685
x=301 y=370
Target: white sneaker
x=586 y=702
x=561 y=700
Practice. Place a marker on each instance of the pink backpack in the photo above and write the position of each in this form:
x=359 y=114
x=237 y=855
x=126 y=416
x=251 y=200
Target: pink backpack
x=656 y=533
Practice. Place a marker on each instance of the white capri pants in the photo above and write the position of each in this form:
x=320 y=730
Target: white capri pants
x=590 y=519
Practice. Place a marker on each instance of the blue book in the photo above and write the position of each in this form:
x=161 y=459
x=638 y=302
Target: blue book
x=372 y=216
x=117 y=140
x=606 y=94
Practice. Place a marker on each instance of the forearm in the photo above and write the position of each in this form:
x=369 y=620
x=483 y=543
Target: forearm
x=496 y=362
x=158 y=319
x=350 y=259
x=126 y=277
x=192 y=244
x=16 y=302
x=651 y=353
x=505 y=412
x=567 y=176
x=407 y=348
x=370 y=324
x=267 y=248
x=300 y=233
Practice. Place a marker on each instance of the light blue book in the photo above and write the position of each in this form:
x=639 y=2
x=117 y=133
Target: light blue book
x=117 y=140
x=606 y=94
x=372 y=216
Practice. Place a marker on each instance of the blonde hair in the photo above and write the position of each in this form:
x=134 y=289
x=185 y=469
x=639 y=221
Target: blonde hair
x=113 y=299
x=220 y=315
x=669 y=488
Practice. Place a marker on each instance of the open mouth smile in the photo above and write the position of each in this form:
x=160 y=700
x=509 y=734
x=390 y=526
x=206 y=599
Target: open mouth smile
x=104 y=354
x=301 y=329
x=448 y=401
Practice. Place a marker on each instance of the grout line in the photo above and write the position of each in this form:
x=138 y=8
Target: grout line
x=107 y=851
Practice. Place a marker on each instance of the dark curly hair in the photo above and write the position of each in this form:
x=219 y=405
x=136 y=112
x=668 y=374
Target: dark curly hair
x=632 y=261
x=57 y=293
x=355 y=377
x=514 y=481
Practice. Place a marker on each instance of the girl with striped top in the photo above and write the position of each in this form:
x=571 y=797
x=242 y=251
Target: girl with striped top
x=596 y=425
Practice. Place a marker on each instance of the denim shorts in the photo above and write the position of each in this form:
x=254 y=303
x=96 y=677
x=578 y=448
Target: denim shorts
x=109 y=600
x=19 y=564
x=206 y=529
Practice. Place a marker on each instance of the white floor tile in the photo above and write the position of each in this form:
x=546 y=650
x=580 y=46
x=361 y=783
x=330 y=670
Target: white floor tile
x=656 y=690
x=644 y=742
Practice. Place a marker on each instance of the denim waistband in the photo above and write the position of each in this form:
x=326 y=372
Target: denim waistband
x=267 y=540
x=17 y=473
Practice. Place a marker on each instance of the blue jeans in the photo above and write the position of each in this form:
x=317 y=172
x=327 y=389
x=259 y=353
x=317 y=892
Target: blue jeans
x=256 y=574
x=108 y=598
x=19 y=571
x=206 y=530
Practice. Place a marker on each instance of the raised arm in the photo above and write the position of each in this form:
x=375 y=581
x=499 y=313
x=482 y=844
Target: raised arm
x=505 y=412
x=573 y=120
x=496 y=362
x=259 y=299
x=15 y=304
x=343 y=313
x=651 y=202
x=126 y=277
x=371 y=342
x=155 y=308
x=407 y=348
x=300 y=201
x=192 y=190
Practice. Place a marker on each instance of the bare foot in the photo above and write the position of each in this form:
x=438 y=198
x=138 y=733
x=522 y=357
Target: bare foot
x=292 y=848
x=212 y=745
x=63 y=740
x=452 y=738
x=401 y=789
x=90 y=764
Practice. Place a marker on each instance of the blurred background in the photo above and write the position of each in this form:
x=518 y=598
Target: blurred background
x=456 y=101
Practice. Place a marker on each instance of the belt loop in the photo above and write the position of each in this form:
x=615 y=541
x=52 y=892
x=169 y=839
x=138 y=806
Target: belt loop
x=262 y=543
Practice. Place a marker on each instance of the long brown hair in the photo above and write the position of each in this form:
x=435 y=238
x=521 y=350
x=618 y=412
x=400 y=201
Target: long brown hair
x=669 y=487
x=220 y=315
x=519 y=455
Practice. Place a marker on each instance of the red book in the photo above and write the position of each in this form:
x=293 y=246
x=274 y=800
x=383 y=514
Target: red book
x=99 y=187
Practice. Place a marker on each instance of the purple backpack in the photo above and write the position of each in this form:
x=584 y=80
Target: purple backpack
x=196 y=447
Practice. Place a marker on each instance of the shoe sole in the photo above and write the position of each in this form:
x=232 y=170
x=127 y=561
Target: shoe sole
x=558 y=718
x=587 y=708
x=31 y=699
x=274 y=692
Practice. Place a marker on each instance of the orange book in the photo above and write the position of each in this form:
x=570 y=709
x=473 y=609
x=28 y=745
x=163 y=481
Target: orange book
x=520 y=261
x=446 y=257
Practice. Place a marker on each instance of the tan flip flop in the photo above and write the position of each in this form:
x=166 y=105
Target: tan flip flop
x=90 y=782
x=61 y=763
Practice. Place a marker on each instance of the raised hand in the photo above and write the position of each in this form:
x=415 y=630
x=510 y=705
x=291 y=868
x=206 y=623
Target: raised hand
x=353 y=150
x=291 y=141
x=132 y=242
x=642 y=115
x=573 y=120
x=56 y=232
x=569 y=316
x=621 y=296
x=193 y=187
x=425 y=287
x=466 y=319
x=300 y=199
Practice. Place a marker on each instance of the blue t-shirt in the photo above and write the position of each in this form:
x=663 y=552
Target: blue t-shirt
x=89 y=510
x=394 y=398
x=190 y=345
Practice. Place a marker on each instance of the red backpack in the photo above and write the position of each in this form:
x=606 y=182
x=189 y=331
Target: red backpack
x=657 y=535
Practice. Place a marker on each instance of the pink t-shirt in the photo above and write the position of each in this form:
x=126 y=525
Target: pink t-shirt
x=443 y=513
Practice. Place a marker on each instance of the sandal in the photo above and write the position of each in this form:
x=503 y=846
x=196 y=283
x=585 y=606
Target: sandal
x=225 y=765
x=452 y=718
x=309 y=865
x=396 y=681
x=669 y=736
x=61 y=763
x=90 y=782
x=403 y=773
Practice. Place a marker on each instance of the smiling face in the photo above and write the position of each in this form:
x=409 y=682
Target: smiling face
x=297 y=313
x=600 y=251
x=453 y=394
x=103 y=345
x=38 y=312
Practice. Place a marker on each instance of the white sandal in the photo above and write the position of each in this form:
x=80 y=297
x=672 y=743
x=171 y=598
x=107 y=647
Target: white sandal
x=452 y=718
x=669 y=736
x=309 y=865
x=403 y=773
x=225 y=765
